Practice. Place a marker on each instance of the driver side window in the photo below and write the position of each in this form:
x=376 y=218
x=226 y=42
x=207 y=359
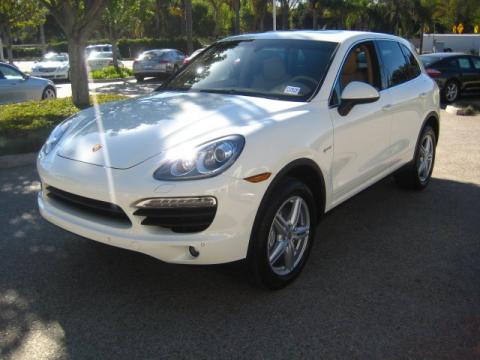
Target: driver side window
x=361 y=64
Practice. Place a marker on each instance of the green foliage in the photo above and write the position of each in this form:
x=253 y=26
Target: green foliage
x=25 y=126
x=15 y=119
x=110 y=72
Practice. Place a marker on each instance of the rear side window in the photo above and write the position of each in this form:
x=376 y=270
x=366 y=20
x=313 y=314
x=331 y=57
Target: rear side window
x=447 y=64
x=464 y=63
x=396 y=68
x=413 y=67
x=476 y=63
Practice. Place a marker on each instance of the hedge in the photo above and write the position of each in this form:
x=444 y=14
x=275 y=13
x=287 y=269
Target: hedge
x=109 y=72
x=25 y=126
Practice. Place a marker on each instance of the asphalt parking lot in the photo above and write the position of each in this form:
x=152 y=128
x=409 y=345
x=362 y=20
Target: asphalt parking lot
x=392 y=275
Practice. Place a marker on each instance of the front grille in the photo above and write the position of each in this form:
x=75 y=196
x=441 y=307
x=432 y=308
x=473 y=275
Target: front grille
x=46 y=69
x=91 y=206
x=180 y=220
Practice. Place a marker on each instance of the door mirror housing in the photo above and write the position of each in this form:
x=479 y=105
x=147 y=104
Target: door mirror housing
x=356 y=93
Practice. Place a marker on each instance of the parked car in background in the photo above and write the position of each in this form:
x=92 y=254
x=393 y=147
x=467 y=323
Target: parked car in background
x=195 y=53
x=455 y=73
x=241 y=152
x=15 y=86
x=154 y=63
x=99 y=60
x=52 y=66
x=98 y=48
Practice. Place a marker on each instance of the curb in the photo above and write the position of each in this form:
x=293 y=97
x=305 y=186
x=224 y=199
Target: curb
x=17 y=160
x=92 y=81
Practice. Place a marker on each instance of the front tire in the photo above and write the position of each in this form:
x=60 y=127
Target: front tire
x=49 y=93
x=417 y=174
x=451 y=92
x=283 y=234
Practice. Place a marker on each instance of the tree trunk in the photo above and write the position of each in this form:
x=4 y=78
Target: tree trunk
x=236 y=9
x=420 y=50
x=8 y=45
x=262 y=22
x=1 y=49
x=285 y=14
x=42 y=39
x=188 y=25
x=78 y=77
x=314 y=16
x=115 y=53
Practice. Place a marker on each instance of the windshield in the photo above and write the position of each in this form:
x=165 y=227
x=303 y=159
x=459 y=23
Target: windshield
x=280 y=69
x=151 y=55
x=55 y=57
x=101 y=55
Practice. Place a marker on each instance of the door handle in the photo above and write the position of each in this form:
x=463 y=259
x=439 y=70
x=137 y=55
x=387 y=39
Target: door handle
x=422 y=95
x=387 y=107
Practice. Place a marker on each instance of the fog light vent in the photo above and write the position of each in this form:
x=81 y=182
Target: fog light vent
x=185 y=215
x=180 y=202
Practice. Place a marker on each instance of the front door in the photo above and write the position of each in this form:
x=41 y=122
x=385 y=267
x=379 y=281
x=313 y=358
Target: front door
x=362 y=137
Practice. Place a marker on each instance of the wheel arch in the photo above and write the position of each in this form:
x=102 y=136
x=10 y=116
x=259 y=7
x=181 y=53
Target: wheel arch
x=303 y=169
x=307 y=171
x=432 y=119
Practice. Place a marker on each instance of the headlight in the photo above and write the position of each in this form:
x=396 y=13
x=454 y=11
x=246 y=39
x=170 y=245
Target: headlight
x=206 y=160
x=55 y=136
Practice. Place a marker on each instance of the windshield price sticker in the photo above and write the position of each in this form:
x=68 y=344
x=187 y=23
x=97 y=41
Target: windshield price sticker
x=291 y=90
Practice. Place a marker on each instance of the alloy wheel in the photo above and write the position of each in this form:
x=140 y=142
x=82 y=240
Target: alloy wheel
x=289 y=235
x=49 y=94
x=425 y=160
x=451 y=92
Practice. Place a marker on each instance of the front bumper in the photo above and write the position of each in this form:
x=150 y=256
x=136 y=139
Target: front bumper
x=225 y=240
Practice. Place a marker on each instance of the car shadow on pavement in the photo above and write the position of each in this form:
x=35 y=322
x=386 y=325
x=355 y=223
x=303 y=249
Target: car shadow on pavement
x=393 y=274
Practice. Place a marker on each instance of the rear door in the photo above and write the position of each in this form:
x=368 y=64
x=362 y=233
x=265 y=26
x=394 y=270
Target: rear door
x=476 y=72
x=406 y=91
x=361 y=137
x=467 y=73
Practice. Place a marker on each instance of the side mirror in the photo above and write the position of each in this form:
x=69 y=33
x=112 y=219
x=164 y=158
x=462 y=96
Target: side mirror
x=356 y=93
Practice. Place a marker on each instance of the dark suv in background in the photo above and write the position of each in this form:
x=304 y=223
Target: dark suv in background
x=454 y=73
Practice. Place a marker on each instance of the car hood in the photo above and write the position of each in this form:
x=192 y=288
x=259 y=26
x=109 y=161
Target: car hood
x=123 y=134
x=50 y=64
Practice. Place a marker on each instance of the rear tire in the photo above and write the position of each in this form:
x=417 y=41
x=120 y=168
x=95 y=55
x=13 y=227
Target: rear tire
x=49 y=93
x=139 y=78
x=417 y=174
x=282 y=237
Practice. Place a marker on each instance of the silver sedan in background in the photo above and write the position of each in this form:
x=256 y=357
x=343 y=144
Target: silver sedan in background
x=15 y=86
x=156 y=63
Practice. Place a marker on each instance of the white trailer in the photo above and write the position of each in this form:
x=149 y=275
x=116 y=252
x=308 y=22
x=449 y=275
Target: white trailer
x=465 y=43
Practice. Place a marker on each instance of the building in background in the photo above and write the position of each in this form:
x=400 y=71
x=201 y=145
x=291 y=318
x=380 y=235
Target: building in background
x=465 y=43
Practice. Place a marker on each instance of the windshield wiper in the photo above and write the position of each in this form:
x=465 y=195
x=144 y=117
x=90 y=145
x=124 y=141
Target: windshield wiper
x=239 y=92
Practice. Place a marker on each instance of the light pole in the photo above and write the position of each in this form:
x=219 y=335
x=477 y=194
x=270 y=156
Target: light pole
x=274 y=14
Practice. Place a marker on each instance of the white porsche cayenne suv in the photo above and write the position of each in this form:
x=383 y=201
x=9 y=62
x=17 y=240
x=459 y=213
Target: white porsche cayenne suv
x=241 y=152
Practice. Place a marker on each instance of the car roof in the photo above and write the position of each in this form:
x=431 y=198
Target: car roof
x=320 y=35
x=442 y=55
